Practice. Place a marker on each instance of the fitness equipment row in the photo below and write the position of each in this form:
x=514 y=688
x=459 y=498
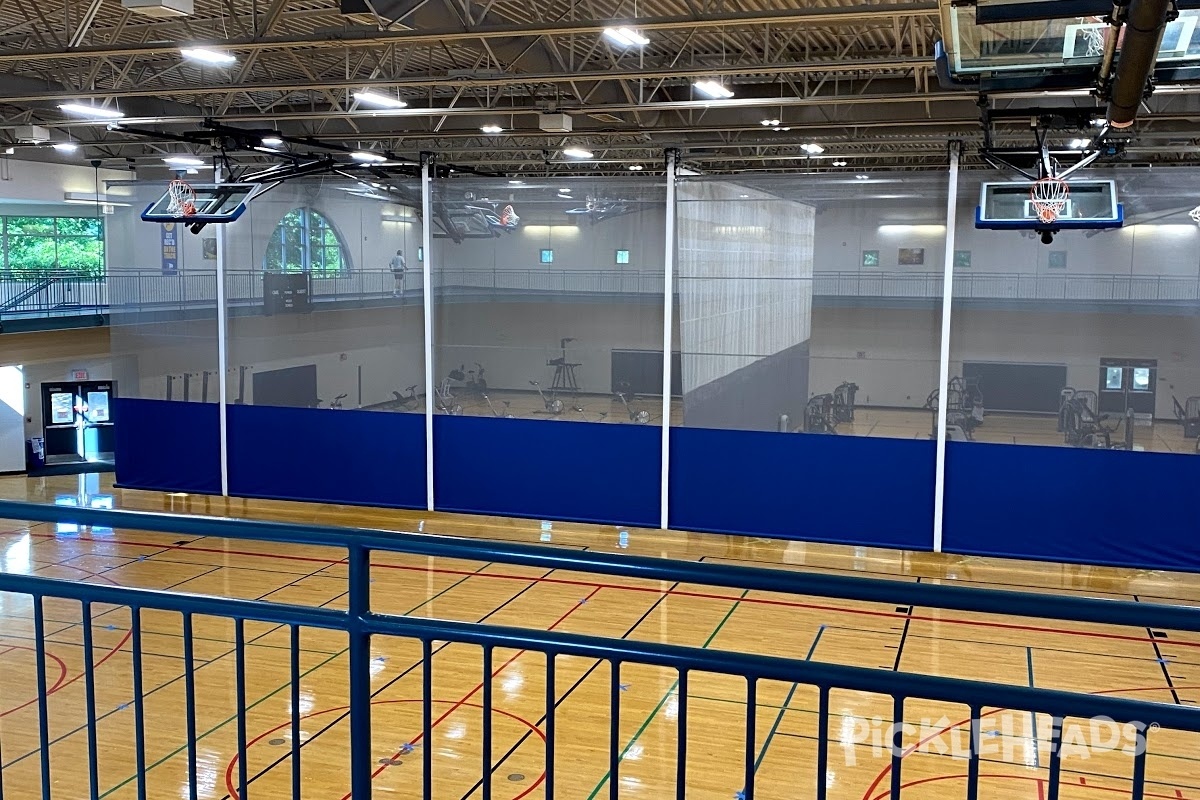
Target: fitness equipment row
x=824 y=412
x=1188 y=415
x=964 y=409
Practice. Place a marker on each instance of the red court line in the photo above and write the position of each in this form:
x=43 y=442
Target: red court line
x=233 y=763
x=479 y=686
x=62 y=682
x=673 y=592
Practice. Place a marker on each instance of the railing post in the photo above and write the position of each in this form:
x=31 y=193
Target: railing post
x=359 y=601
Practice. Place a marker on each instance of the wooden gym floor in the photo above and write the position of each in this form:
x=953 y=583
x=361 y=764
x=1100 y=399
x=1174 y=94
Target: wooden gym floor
x=1161 y=666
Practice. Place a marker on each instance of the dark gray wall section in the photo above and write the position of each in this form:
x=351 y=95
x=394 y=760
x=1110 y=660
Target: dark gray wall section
x=753 y=397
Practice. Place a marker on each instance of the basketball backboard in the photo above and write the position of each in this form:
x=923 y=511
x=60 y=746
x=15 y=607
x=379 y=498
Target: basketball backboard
x=1009 y=205
x=1068 y=39
x=215 y=202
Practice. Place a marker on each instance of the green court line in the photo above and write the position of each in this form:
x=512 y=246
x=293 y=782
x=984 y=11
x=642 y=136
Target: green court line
x=264 y=699
x=642 y=729
x=787 y=701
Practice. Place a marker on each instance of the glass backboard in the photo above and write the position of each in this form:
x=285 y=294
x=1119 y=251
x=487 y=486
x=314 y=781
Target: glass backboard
x=1008 y=205
x=215 y=202
x=1043 y=45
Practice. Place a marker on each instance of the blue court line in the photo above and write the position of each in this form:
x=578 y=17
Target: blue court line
x=787 y=702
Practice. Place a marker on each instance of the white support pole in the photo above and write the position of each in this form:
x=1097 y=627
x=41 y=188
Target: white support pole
x=939 y=474
x=668 y=330
x=427 y=300
x=222 y=354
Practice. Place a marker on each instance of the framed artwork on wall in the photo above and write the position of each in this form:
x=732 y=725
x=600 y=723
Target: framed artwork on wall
x=870 y=258
x=911 y=256
x=962 y=258
x=1058 y=259
x=622 y=256
x=547 y=256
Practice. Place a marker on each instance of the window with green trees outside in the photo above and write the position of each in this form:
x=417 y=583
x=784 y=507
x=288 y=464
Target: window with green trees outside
x=306 y=241
x=45 y=246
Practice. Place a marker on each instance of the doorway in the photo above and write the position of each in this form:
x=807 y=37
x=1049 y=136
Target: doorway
x=1128 y=383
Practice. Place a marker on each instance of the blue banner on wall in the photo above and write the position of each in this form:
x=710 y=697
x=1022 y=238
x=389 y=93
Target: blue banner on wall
x=170 y=248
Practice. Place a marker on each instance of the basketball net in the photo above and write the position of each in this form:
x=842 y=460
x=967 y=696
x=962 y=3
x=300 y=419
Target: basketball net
x=1195 y=215
x=183 y=198
x=1049 y=196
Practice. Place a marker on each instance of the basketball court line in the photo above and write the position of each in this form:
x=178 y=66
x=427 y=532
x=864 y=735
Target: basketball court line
x=646 y=723
x=407 y=670
x=702 y=595
x=266 y=697
x=559 y=700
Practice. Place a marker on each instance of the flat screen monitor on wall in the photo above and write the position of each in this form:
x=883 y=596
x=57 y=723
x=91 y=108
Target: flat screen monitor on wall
x=295 y=387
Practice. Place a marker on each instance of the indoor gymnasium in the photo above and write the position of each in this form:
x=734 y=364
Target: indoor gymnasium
x=506 y=399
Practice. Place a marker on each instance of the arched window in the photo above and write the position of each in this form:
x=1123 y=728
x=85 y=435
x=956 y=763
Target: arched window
x=306 y=241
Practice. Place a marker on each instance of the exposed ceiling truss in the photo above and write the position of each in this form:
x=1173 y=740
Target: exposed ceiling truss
x=857 y=78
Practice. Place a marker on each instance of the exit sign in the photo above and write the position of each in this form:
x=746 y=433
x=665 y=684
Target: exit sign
x=79 y=375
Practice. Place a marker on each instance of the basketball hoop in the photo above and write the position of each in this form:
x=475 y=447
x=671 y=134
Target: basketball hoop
x=1195 y=215
x=183 y=198
x=1049 y=196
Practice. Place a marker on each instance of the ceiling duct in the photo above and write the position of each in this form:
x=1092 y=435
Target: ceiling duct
x=1145 y=21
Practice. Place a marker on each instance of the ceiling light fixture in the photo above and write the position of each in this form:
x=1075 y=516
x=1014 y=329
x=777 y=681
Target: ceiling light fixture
x=66 y=147
x=367 y=157
x=766 y=123
x=272 y=141
x=577 y=152
x=95 y=112
x=381 y=100
x=515 y=183
x=636 y=167
x=184 y=161
x=712 y=89
x=862 y=177
x=839 y=163
x=626 y=37
x=812 y=148
x=777 y=130
x=1078 y=144
x=207 y=56
x=492 y=129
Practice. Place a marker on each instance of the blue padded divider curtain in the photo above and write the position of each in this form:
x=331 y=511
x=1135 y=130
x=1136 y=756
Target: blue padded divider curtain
x=1114 y=507
x=842 y=489
x=579 y=471
x=322 y=455
x=167 y=446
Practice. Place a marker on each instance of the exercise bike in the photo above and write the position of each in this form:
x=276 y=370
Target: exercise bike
x=506 y=415
x=445 y=400
x=471 y=381
x=334 y=404
x=407 y=401
x=552 y=403
x=638 y=416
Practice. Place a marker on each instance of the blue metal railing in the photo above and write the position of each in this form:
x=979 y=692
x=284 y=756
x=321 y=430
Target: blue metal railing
x=360 y=623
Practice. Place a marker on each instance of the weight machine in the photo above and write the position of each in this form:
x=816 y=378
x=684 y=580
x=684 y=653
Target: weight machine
x=964 y=409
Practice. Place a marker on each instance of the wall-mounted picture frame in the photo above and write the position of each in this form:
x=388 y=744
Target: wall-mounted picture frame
x=870 y=258
x=911 y=256
x=420 y=254
x=622 y=256
x=547 y=256
x=962 y=259
x=1057 y=259
x=210 y=248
